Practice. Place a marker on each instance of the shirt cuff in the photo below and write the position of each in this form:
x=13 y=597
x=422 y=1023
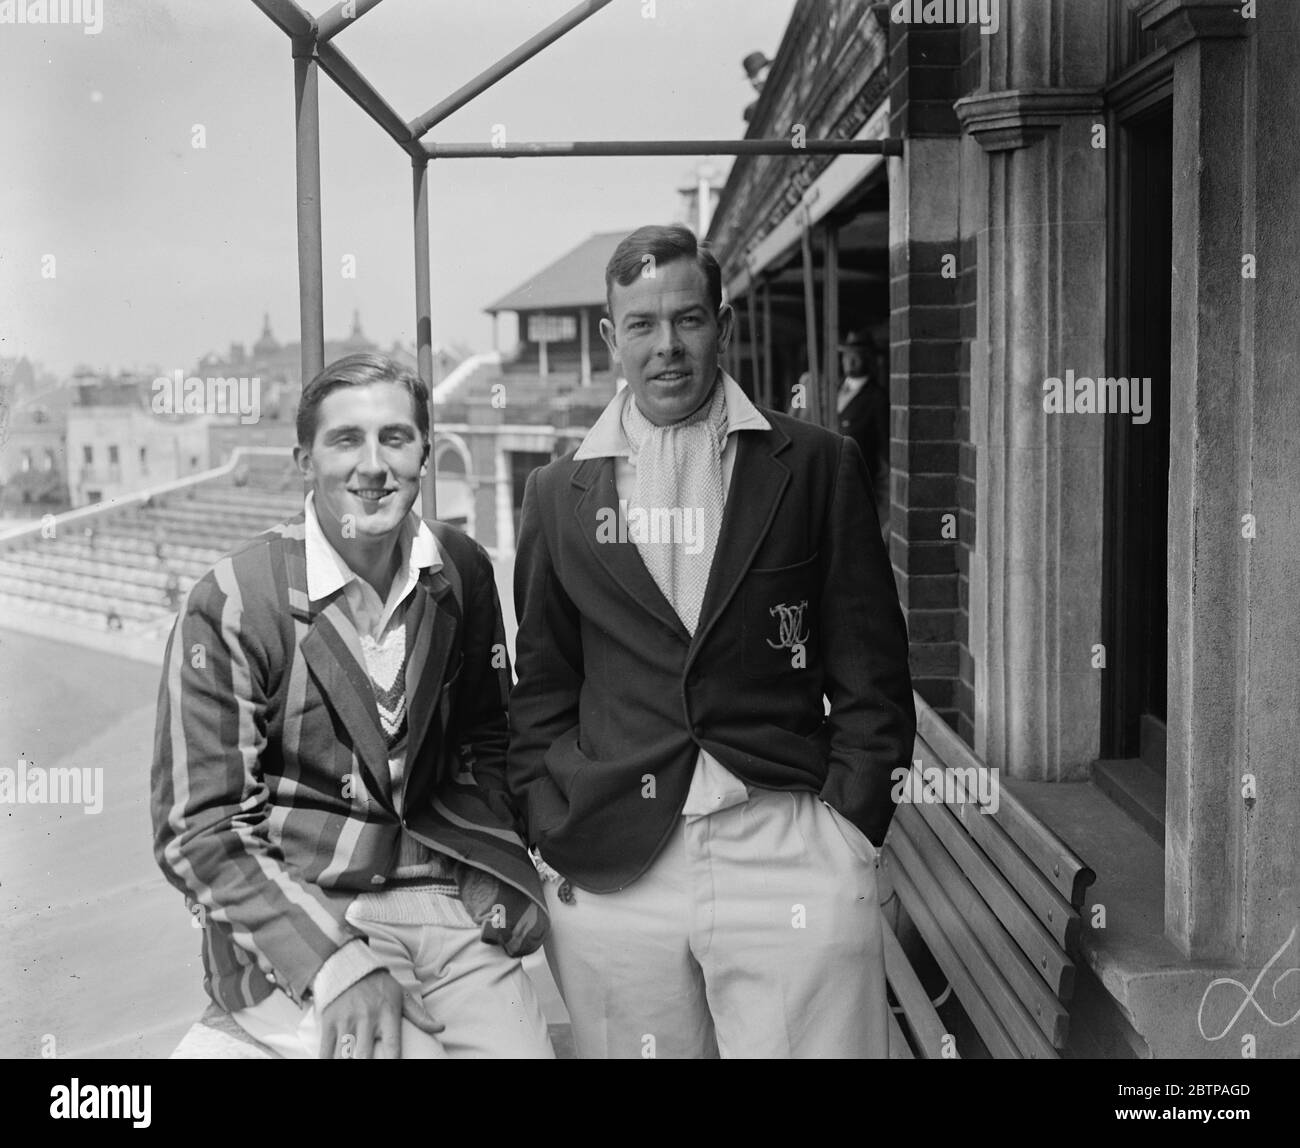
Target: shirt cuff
x=341 y=971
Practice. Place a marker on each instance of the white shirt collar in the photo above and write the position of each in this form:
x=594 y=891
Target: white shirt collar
x=328 y=573
x=607 y=439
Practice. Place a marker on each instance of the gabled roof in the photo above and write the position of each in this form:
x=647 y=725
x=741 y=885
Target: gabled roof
x=574 y=280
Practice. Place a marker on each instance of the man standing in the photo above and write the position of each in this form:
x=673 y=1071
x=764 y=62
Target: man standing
x=692 y=584
x=328 y=778
x=862 y=406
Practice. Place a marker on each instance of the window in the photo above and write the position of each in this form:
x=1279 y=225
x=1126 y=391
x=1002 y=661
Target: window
x=49 y=461
x=27 y=461
x=144 y=460
x=112 y=456
x=88 y=455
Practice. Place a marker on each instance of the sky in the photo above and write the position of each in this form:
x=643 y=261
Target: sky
x=163 y=251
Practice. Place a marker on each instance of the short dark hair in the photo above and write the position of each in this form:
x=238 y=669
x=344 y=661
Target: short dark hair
x=361 y=370
x=663 y=245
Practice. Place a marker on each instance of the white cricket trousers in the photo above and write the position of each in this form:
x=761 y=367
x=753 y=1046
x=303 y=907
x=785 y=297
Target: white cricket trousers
x=433 y=948
x=755 y=933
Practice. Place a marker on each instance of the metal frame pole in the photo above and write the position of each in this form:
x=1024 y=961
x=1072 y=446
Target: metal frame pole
x=504 y=66
x=311 y=287
x=289 y=17
x=810 y=325
x=769 y=384
x=424 y=319
x=756 y=381
x=344 y=73
x=549 y=150
x=330 y=24
x=831 y=313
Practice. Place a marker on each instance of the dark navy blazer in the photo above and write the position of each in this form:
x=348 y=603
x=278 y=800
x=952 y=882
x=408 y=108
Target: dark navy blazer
x=614 y=698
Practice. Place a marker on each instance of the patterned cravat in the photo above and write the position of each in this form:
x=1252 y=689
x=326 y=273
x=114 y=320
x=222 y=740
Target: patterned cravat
x=679 y=498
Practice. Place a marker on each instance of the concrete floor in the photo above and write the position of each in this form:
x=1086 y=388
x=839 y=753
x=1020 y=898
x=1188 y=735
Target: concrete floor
x=97 y=956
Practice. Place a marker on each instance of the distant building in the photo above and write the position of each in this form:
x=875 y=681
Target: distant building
x=508 y=417
x=559 y=311
x=699 y=198
x=117 y=444
x=33 y=446
x=278 y=366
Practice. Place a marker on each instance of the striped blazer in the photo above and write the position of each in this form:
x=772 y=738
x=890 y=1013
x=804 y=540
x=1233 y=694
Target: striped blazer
x=271 y=796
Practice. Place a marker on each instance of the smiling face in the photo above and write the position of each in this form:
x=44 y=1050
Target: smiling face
x=666 y=338
x=364 y=464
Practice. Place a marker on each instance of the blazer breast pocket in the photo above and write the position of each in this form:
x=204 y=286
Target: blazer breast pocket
x=782 y=620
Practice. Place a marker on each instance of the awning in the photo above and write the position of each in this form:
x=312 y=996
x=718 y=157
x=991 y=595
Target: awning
x=843 y=175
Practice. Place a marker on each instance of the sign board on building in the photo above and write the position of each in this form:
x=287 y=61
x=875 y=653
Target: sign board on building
x=552 y=328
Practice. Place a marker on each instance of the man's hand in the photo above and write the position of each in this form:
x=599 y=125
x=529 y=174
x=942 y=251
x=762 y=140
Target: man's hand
x=364 y=1022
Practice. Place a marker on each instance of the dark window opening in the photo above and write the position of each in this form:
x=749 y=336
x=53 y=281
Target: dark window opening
x=1135 y=611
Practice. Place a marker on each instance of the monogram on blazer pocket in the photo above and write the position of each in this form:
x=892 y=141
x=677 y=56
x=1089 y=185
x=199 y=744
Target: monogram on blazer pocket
x=781 y=620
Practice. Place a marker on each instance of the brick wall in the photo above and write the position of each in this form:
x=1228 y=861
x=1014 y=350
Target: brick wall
x=932 y=320
x=970 y=79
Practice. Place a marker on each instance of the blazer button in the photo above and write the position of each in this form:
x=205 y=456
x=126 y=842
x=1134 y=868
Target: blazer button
x=698 y=731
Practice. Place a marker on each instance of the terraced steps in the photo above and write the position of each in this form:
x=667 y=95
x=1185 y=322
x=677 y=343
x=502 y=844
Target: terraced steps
x=126 y=567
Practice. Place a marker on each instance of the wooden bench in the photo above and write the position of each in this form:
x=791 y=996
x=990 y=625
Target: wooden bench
x=996 y=899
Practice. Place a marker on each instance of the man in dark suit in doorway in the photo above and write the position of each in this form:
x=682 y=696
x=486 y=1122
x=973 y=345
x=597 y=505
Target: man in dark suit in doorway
x=862 y=406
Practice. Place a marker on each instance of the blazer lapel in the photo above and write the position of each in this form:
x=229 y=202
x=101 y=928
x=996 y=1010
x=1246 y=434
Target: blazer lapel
x=596 y=512
x=332 y=651
x=758 y=481
x=430 y=635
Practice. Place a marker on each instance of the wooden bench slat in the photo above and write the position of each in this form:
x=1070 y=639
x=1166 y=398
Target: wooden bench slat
x=990 y=1002
x=899 y=1049
x=1054 y=913
x=1043 y=950
x=1055 y=861
x=927 y=1029
x=1030 y=989
x=995 y=1037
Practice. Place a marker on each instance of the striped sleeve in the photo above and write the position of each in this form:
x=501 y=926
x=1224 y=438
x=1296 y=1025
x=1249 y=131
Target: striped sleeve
x=209 y=799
